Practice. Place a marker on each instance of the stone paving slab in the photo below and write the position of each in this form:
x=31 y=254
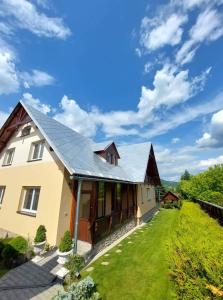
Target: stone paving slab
x=32 y=280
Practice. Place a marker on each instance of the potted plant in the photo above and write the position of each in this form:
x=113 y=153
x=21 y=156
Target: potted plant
x=74 y=264
x=40 y=239
x=65 y=248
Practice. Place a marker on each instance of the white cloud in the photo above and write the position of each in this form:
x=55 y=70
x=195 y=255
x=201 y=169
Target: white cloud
x=184 y=115
x=36 y=78
x=156 y=33
x=175 y=140
x=206 y=163
x=9 y=81
x=75 y=117
x=213 y=138
x=25 y=15
x=36 y=103
x=171 y=87
x=208 y=27
x=3 y=117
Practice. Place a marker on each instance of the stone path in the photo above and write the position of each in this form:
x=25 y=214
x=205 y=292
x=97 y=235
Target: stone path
x=36 y=281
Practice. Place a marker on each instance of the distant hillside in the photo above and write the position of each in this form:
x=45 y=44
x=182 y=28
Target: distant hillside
x=169 y=184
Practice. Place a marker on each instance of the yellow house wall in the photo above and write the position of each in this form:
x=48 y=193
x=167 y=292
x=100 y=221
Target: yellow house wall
x=49 y=176
x=47 y=173
x=144 y=202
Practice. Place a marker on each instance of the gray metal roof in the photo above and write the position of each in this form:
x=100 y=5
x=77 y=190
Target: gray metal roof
x=76 y=152
x=101 y=146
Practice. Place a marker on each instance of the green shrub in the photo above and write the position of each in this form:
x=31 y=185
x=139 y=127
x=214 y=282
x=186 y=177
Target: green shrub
x=40 y=234
x=83 y=290
x=1 y=247
x=74 y=264
x=197 y=268
x=19 y=244
x=66 y=242
x=9 y=253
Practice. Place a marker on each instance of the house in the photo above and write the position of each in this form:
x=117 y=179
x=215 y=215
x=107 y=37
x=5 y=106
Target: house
x=170 y=197
x=52 y=175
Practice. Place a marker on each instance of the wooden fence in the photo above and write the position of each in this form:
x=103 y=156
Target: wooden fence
x=215 y=211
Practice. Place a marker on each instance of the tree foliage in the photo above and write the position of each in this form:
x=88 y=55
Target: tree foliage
x=207 y=186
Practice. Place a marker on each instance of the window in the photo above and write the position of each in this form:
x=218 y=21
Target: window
x=31 y=199
x=101 y=200
x=2 y=191
x=26 y=131
x=9 y=157
x=37 y=150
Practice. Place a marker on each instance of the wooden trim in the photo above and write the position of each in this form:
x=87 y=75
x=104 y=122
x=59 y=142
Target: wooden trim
x=73 y=206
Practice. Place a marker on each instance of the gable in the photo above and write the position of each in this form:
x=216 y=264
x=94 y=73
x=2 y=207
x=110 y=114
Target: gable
x=17 y=118
x=152 y=173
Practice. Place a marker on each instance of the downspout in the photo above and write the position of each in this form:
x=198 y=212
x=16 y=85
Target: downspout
x=77 y=215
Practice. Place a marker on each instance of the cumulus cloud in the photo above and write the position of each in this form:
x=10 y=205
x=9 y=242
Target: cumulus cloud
x=75 y=117
x=213 y=138
x=25 y=15
x=36 y=103
x=36 y=78
x=206 y=163
x=156 y=33
x=9 y=80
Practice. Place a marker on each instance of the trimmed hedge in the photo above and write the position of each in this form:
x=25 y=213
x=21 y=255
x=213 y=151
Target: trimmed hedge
x=40 y=234
x=197 y=268
x=66 y=242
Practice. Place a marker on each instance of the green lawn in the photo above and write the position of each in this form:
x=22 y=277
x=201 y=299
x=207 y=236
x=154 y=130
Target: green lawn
x=141 y=270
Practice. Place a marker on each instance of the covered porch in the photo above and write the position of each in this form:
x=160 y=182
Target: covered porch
x=103 y=207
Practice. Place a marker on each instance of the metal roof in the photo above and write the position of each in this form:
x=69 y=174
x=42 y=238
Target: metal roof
x=76 y=152
x=101 y=146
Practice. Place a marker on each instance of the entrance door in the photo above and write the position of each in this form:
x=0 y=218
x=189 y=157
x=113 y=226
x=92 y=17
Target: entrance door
x=84 y=218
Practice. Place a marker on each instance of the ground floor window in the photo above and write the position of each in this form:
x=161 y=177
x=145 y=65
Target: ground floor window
x=2 y=191
x=31 y=199
x=101 y=200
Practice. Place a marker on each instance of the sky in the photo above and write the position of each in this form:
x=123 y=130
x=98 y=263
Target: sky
x=129 y=71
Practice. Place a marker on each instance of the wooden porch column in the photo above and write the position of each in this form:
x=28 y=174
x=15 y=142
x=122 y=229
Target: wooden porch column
x=73 y=206
x=127 y=200
x=93 y=211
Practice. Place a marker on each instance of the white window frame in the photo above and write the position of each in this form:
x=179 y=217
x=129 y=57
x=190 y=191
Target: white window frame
x=7 y=153
x=26 y=189
x=40 y=153
x=2 y=192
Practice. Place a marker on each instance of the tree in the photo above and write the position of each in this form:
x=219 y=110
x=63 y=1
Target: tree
x=186 y=176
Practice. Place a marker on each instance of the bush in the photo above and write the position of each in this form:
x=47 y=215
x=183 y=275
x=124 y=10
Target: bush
x=1 y=247
x=66 y=242
x=19 y=244
x=40 y=234
x=15 y=249
x=174 y=204
x=74 y=264
x=197 y=268
x=83 y=290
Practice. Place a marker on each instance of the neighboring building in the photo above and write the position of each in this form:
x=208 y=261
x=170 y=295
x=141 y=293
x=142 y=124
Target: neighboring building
x=170 y=197
x=41 y=164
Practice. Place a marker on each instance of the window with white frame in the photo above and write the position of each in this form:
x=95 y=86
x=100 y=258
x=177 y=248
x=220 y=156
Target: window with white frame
x=36 y=152
x=9 y=154
x=31 y=199
x=2 y=191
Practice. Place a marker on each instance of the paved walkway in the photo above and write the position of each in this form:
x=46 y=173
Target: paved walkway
x=36 y=281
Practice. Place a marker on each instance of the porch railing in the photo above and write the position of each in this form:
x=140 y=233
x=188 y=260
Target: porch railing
x=103 y=226
x=214 y=210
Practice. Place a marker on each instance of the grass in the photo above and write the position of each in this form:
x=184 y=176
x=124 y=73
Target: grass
x=141 y=270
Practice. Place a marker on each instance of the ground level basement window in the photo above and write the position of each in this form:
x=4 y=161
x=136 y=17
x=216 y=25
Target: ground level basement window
x=30 y=199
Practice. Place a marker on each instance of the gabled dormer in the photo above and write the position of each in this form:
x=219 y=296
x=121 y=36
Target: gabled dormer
x=108 y=151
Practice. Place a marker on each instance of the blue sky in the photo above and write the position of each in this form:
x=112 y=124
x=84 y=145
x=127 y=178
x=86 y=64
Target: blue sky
x=131 y=71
